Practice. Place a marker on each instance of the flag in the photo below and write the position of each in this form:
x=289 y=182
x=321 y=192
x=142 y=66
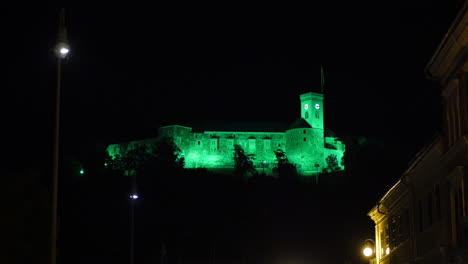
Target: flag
x=322 y=79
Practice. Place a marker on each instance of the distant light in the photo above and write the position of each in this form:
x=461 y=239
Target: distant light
x=62 y=49
x=134 y=196
x=387 y=251
x=82 y=171
x=306 y=106
x=368 y=251
x=317 y=106
x=264 y=162
x=105 y=164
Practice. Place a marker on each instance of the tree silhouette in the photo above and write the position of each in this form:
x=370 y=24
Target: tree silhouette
x=243 y=163
x=284 y=168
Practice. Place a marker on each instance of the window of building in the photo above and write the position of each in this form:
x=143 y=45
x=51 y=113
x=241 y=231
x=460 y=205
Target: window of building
x=230 y=143
x=393 y=228
x=306 y=115
x=317 y=115
x=214 y=144
x=437 y=202
x=305 y=139
x=384 y=240
x=420 y=216
x=267 y=145
x=252 y=145
x=429 y=208
x=199 y=143
x=305 y=131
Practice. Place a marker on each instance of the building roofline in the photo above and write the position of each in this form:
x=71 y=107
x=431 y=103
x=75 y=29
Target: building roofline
x=385 y=195
x=311 y=93
x=446 y=37
x=233 y=132
x=175 y=126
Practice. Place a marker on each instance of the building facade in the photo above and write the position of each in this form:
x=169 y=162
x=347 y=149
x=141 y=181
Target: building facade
x=423 y=218
x=304 y=142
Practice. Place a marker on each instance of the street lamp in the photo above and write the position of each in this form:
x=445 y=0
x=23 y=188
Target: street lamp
x=133 y=199
x=317 y=172
x=368 y=250
x=62 y=49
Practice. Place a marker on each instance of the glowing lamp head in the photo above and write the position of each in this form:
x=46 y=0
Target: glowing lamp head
x=387 y=251
x=62 y=49
x=368 y=252
x=368 y=249
x=134 y=196
x=306 y=106
x=317 y=106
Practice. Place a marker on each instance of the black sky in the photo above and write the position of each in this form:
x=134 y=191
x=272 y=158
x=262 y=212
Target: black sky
x=134 y=69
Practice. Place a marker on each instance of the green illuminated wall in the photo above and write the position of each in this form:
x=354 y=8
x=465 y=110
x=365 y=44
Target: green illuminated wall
x=305 y=143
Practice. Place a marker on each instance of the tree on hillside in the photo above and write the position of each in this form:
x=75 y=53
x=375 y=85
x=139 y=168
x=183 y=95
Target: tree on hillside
x=243 y=163
x=167 y=154
x=332 y=164
x=161 y=154
x=130 y=162
x=284 y=169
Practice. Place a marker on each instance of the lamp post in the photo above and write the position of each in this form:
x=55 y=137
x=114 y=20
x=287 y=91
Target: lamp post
x=62 y=48
x=368 y=250
x=133 y=198
x=317 y=172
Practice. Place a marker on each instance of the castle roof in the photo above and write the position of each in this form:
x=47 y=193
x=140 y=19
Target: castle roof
x=299 y=123
x=199 y=127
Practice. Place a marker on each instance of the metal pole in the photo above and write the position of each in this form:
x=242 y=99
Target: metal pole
x=316 y=176
x=132 y=230
x=55 y=171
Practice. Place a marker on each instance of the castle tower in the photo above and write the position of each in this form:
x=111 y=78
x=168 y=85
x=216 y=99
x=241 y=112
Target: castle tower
x=312 y=109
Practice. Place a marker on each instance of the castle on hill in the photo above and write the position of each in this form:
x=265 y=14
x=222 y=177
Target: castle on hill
x=305 y=142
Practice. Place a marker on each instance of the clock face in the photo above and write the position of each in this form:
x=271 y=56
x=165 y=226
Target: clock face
x=306 y=106
x=317 y=106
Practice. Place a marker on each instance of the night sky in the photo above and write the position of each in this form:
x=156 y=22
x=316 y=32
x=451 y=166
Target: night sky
x=132 y=70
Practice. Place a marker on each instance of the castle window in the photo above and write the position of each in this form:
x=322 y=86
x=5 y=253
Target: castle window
x=305 y=132
x=230 y=143
x=279 y=145
x=317 y=114
x=306 y=115
x=199 y=143
x=305 y=139
x=214 y=144
x=252 y=145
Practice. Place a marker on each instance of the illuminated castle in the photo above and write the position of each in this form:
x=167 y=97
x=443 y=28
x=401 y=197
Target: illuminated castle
x=304 y=142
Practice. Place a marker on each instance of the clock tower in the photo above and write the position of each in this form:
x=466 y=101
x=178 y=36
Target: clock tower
x=312 y=109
